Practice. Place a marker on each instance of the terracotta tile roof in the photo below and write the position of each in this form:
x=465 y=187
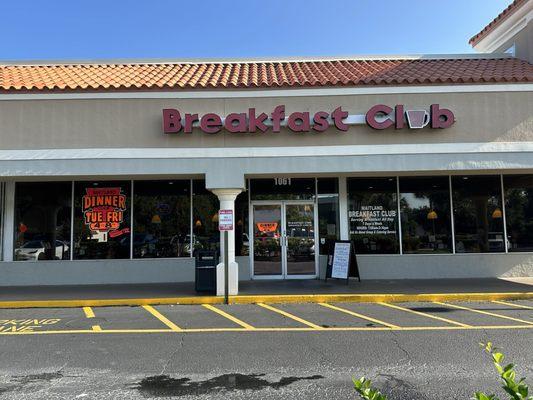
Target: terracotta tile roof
x=268 y=74
x=510 y=10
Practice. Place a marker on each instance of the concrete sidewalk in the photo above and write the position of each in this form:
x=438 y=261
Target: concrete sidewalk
x=257 y=291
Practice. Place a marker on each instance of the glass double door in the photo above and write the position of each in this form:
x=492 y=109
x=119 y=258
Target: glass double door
x=284 y=240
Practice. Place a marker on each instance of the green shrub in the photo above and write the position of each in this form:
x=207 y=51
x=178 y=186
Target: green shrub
x=517 y=390
x=364 y=387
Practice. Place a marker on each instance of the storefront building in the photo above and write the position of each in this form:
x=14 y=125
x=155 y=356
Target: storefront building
x=115 y=173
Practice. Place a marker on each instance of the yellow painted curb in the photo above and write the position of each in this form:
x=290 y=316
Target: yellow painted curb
x=271 y=299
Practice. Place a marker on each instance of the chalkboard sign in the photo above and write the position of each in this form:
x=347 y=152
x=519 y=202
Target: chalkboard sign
x=342 y=264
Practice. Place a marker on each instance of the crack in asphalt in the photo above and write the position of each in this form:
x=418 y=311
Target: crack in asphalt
x=394 y=339
x=179 y=347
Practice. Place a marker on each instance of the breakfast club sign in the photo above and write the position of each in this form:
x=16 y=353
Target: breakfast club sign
x=378 y=117
x=103 y=210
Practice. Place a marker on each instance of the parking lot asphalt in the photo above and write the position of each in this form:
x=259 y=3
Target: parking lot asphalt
x=260 y=351
x=308 y=317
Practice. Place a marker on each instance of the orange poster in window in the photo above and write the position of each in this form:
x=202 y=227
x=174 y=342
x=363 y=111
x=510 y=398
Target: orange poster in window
x=267 y=226
x=103 y=210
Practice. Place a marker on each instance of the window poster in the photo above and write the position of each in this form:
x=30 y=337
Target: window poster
x=372 y=220
x=102 y=220
x=103 y=210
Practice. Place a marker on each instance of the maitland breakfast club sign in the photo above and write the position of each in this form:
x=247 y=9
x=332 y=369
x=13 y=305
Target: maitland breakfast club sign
x=378 y=117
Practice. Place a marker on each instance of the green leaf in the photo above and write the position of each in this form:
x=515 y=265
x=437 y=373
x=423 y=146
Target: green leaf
x=508 y=367
x=498 y=357
x=523 y=390
x=483 y=396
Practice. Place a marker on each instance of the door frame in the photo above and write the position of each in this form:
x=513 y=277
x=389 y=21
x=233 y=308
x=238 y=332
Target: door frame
x=282 y=204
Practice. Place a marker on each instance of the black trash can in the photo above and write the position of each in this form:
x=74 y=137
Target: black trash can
x=206 y=271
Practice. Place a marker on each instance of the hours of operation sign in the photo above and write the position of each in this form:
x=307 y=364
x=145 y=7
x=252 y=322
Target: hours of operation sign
x=341 y=260
x=372 y=220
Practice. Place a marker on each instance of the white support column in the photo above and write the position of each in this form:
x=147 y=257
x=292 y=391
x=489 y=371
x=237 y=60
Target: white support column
x=343 y=209
x=227 y=202
x=9 y=222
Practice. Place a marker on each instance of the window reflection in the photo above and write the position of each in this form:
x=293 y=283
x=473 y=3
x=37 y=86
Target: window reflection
x=242 y=240
x=328 y=213
x=42 y=221
x=102 y=220
x=162 y=219
x=519 y=211
x=373 y=215
x=205 y=218
x=425 y=213
x=478 y=215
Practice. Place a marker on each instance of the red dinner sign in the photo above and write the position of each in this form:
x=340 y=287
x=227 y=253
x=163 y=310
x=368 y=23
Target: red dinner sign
x=103 y=210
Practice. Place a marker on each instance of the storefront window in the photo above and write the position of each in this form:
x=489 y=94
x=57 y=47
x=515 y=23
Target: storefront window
x=425 y=213
x=519 y=211
x=161 y=219
x=205 y=218
x=478 y=215
x=42 y=221
x=102 y=220
x=2 y=203
x=283 y=189
x=328 y=213
x=373 y=215
x=242 y=240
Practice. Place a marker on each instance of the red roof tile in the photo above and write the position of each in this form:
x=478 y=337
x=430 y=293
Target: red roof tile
x=268 y=74
x=510 y=10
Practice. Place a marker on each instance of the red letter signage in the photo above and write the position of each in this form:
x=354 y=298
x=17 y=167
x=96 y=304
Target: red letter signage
x=441 y=117
x=379 y=117
x=379 y=110
x=171 y=120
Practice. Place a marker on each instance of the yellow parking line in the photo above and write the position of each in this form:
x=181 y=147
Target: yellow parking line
x=89 y=313
x=228 y=316
x=162 y=318
x=291 y=316
x=285 y=329
x=513 y=305
x=377 y=321
x=449 y=321
x=484 y=312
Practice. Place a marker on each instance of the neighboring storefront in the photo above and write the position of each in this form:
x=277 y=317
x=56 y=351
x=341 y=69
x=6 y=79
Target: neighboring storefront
x=116 y=173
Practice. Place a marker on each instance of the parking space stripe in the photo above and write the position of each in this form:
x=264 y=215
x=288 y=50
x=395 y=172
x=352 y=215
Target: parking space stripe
x=483 y=312
x=89 y=313
x=228 y=316
x=162 y=318
x=302 y=329
x=522 y=306
x=449 y=321
x=349 y=312
x=289 y=315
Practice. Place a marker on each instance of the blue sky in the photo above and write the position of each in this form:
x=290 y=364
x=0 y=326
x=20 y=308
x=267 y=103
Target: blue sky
x=103 y=29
